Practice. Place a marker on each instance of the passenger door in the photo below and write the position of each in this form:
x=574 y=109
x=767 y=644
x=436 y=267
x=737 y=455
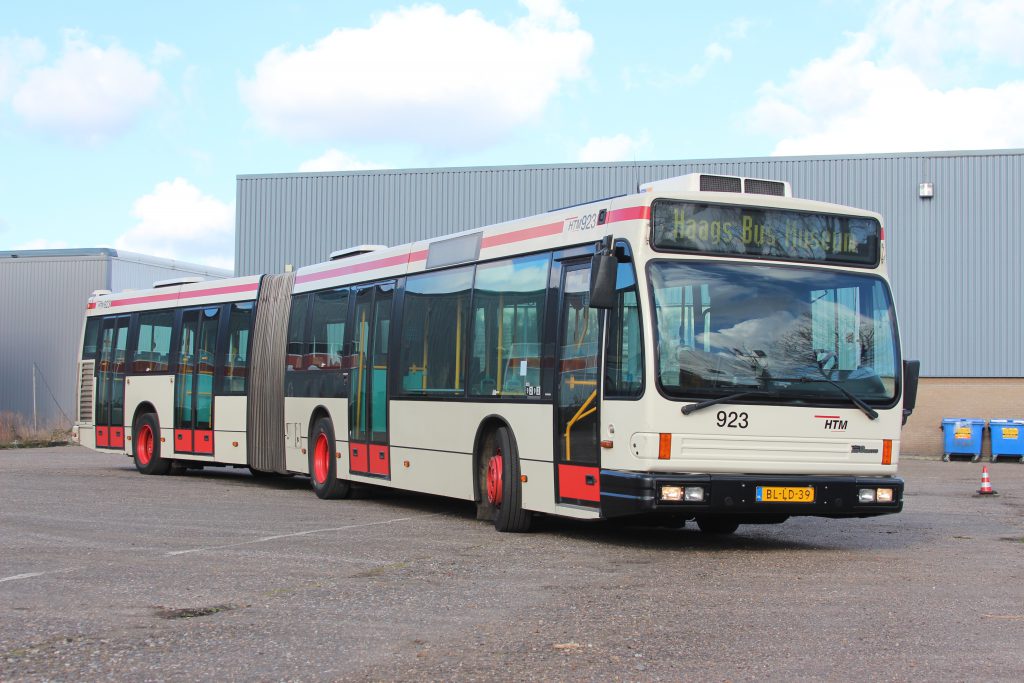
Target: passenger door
x=369 y=453
x=110 y=382
x=577 y=415
x=194 y=381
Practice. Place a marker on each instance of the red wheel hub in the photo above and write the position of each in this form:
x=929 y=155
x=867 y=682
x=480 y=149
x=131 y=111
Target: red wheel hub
x=494 y=480
x=145 y=444
x=321 y=459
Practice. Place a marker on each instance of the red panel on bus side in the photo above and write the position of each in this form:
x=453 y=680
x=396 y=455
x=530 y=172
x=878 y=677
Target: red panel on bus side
x=358 y=461
x=117 y=437
x=380 y=460
x=581 y=483
x=182 y=441
x=203 y=441
x=102 y=438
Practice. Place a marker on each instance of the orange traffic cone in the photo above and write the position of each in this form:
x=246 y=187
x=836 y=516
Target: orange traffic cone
x=986 y=484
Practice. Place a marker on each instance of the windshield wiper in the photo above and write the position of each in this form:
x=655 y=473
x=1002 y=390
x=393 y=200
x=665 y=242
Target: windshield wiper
x=854 y=399
x=694 y=407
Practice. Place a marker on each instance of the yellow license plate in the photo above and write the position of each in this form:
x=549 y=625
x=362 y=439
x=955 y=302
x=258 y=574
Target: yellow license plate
x=785 y=494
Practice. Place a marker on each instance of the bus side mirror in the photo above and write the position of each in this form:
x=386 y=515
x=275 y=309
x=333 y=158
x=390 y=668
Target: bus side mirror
x=603 y=269
x=911 y=373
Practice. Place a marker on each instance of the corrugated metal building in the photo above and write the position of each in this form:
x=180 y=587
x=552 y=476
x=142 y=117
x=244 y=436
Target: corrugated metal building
x=955 y=257
x=46 y=291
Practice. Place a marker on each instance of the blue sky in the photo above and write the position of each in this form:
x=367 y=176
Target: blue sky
x=124 y=124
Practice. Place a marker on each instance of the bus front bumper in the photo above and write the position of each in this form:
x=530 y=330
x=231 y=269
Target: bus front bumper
x=751 y=496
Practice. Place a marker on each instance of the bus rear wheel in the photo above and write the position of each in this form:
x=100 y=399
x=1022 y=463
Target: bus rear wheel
x=146 y=446
x=504 y=488
x=323 y=465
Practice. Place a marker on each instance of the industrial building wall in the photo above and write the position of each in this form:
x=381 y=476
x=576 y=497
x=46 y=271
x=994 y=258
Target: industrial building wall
x=46 y=295
x=45 y=304
x=954 y=258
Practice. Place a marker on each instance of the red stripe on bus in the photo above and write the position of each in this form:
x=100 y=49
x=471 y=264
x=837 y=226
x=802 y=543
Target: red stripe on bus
x=828 y=417
x=628 y=214
x=355 y=268
x=521 y=235
x=213 y=291
x=632 y=213
x=90 y=306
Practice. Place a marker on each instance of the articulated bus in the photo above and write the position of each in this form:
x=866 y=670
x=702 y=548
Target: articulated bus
x=709 y=349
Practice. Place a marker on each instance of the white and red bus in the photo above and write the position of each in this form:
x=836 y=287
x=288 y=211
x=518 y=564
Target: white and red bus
x=707 y=349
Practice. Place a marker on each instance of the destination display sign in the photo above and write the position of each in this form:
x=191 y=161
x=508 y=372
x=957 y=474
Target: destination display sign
x=756 y=232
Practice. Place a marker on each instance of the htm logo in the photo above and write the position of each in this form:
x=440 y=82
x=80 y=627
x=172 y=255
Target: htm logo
x=833 y=423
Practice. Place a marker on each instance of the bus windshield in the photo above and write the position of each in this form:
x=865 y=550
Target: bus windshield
x=784 y=332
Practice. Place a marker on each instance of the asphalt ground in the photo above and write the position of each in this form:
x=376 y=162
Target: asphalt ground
x=106 y=574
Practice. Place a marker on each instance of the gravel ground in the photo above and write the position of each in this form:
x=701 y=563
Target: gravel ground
x=109 y=575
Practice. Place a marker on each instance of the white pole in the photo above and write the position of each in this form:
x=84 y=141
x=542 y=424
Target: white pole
x=35 y=419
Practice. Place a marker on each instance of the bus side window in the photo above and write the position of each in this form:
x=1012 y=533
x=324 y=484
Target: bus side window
x=294 y=384
x=236 y=353
x=91 y=343
x=624 y=364
x=152 y=348
x=508 y=317
x=434 y=324
x=323 y=350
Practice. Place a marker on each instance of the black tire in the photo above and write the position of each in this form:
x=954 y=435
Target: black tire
x=509 y=515
x=324 y=477
x=146 y=446
x=720 y=526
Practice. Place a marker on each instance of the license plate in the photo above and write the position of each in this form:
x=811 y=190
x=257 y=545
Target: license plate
x=785 y=494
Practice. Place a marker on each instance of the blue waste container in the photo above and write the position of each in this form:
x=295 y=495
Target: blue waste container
x=1007 y=438
x=962 y=437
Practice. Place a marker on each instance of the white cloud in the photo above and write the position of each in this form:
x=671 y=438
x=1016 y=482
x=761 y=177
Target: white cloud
x=336 y=160
x=16 y=54
x=619 y=147
x=422 y=75
x=89 y=94
x=165 y=52
x=178 y=221
x=930 y=34
x=896 y=86
x=713 y=54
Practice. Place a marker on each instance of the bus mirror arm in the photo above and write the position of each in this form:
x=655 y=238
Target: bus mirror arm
x=911 y=373
x=603 y=268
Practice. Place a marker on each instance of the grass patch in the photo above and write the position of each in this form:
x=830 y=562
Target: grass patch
x=16 y=431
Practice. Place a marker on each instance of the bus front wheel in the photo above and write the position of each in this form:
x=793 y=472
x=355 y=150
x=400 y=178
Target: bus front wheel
x=503 y=488
x=323 y=464
x=146 y=446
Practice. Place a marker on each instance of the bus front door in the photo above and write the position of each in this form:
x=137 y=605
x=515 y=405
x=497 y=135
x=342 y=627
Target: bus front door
x=577 y=419
x=368 y=399
x=193 y=381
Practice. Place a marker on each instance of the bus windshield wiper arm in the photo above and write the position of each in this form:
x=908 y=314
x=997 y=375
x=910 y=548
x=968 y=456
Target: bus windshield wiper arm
x=694 y=407
x=865 y=408
x=854 y=399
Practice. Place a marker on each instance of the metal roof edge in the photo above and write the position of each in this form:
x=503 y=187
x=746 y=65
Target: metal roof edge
x=58 y=253
x=638 y=163
x=119 y=254
x=148 y=260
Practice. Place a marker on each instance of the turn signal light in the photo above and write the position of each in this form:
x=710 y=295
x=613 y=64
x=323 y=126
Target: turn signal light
x=664 y=446
x=887 y=452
